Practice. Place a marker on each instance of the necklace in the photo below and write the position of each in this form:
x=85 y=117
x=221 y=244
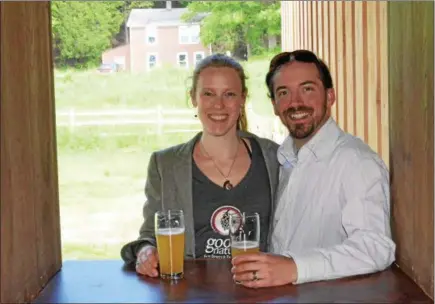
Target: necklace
x=227 y=184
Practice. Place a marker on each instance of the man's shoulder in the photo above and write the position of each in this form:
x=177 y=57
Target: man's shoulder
x=353 y=149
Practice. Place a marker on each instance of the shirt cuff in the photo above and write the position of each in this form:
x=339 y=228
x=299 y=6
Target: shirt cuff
x=310 y=267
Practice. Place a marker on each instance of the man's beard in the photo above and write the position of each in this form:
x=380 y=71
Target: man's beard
x=303 y=131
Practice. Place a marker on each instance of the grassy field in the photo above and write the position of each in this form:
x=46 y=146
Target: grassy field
x=102 y=173
x=168 y=87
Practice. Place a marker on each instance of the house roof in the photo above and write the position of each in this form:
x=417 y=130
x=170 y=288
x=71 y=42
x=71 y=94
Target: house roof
x=144 y=17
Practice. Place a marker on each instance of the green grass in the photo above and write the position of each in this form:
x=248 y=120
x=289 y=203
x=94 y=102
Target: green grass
x=102 y=170
x=101 y=195
x=169 y=87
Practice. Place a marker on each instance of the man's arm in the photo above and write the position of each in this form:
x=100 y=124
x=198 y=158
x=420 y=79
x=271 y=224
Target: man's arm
x=368 y=248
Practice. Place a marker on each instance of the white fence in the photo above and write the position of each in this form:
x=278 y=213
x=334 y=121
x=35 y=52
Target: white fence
x=158 y=117
x=182 y=120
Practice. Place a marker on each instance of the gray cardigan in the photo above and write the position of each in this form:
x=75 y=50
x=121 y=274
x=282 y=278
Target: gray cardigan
x=169 y=186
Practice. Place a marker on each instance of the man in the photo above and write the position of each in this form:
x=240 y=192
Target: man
x=333 y=211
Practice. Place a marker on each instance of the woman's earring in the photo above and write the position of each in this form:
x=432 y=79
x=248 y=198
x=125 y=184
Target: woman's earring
x=196 y=115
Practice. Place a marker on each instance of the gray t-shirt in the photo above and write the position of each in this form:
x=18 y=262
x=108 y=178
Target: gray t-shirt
x=212 y=203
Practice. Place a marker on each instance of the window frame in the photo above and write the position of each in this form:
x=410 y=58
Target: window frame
x=187 y=59
x=148 y=55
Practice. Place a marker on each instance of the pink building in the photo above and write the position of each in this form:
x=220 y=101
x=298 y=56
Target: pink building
x=159 y=37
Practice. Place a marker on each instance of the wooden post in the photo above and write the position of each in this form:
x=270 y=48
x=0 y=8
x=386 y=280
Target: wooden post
x=411 y=90
x=30 y=229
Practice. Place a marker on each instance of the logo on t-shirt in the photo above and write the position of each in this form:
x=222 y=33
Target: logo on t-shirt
x=220 y=219
x=220 y=223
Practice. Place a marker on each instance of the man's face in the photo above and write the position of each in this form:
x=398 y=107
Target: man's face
x=300 y=99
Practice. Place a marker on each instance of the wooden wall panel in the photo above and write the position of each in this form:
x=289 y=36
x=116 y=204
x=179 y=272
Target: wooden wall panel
x=349 y=36
x=411 y=87
x=381 y=57
x=30 y=230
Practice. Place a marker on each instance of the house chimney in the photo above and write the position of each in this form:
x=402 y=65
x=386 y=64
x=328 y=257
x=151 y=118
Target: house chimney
x=168 y=5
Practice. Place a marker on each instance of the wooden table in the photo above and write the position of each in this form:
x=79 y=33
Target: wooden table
x=211 y=281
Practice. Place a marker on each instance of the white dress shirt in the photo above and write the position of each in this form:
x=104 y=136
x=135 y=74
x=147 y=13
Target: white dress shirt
x=333 y=212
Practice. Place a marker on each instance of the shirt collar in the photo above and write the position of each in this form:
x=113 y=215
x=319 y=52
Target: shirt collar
x=321 y=145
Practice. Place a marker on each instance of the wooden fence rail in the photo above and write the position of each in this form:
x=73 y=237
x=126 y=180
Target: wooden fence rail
x=180 y=120
x=159 y=117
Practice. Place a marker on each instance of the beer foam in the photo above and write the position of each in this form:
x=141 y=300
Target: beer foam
x=170 y=231
x=245 y=244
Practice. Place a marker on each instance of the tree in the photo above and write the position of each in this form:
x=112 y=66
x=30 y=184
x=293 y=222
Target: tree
x=230 y=24
x=83 y=30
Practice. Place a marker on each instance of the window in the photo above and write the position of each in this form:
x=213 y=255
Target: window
x=151 y=60
x=197 y=57
x=188 y=34
x=151 y=34
x=182 y=60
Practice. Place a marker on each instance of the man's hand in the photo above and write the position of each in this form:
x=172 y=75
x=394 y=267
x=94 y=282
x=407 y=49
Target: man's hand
x=263 y=270
x=147 y=261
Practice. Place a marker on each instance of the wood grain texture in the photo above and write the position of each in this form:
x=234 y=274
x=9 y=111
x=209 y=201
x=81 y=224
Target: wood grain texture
x=347 y=35
x=30 y=230
x=411 y=90
x=211 y=282
x=380 y=53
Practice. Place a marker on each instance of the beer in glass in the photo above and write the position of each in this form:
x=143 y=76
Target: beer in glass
x=244 y=233
x=169 y=230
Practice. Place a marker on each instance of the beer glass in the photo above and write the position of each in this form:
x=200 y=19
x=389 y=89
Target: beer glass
x=244 y=233
x=169 y=230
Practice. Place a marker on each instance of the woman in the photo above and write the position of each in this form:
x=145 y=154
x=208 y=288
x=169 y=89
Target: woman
x=222 y=169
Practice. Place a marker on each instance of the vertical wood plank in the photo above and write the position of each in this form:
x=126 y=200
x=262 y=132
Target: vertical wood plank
x=341 y=65
x=305 y=29
x=314 y=31
x=296 y=26
x=332 y=50
x=308 y=25
x=30 y=227
x=298 y=20
x=373 y=69
x=359 y=70
x=320 y=37
x=411 y=92
x=383 y=76
x=349 y=77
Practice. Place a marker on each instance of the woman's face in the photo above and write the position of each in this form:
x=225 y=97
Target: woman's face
x=219 y=97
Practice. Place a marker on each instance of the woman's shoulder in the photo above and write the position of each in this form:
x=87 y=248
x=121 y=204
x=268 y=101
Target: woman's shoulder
x=182 y=150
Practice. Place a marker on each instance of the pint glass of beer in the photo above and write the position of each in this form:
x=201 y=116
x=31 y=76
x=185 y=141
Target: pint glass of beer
x=244 y=233
x=169 y=230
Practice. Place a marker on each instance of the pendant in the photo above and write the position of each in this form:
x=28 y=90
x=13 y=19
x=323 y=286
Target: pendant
x=228 y=185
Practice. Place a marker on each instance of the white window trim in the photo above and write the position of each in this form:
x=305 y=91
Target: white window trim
x=194 y=56
x=179 y=35
x=190 y=36
x=154 y=29
x=148 y=59
x=187 y=59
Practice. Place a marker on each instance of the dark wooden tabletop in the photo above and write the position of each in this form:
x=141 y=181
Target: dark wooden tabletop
x=210 y=281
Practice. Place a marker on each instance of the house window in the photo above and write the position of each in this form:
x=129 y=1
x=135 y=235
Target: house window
x=197 y=57
x=182 y=60
x=188 y=34
x=151 y=34
x=151 y=60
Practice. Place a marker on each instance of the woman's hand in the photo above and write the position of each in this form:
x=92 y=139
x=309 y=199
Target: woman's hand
x=147 y=261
